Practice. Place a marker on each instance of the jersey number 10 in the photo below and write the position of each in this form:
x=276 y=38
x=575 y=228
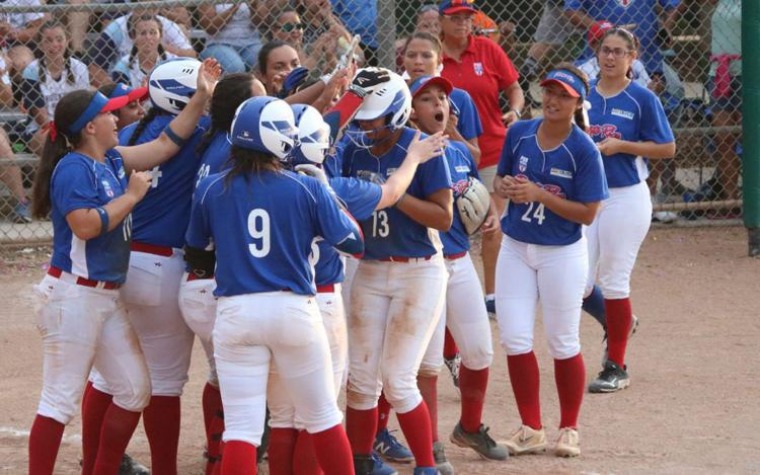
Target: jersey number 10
x=259 y=229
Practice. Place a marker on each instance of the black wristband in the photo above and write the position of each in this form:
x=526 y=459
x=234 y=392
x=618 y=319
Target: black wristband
x=179 y=141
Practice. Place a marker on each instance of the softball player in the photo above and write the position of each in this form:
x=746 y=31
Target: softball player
x=552 y=174
x=465 y=311
x=87 y=192
x=396 y=296
x=156 y=263
x=196 y=300
x=263 y=238
x=627 y=122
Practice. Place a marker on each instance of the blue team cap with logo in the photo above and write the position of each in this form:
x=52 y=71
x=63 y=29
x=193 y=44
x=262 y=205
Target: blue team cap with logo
x=568 y=81
x=99 y=103
x=423 y=82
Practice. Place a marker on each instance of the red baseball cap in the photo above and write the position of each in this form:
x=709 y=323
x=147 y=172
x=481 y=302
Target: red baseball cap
x=450 y=7
x=423 y=82
x=597 y=31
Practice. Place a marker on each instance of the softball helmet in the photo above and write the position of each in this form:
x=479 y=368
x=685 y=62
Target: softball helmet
x=172 y=83
x=264 y=124
x=313 y=136
x=391 y=100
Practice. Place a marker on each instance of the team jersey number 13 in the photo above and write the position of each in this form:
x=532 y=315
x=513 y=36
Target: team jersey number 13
x=380 y=225
x=259 y=229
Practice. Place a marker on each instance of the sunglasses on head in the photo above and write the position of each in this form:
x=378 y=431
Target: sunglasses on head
x=288 y=27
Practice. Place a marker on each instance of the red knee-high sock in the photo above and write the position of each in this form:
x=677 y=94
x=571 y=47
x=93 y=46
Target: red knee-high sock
x=334 y=451
x=118 y=426
x=523 y=374
x=281 y=450
x=361 y=427
x=94 y=406
x=619 y=316
x=450 y=348
x=305 y=457
x=218 y=466
x=416 y=427
x=383 y=412
x=570 y=376
x=428 y=386
x=472 y=386
x=161 y=421
x=44 y=442
x=213 y=419
x=239 y=458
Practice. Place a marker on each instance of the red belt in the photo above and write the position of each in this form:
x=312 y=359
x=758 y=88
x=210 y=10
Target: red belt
x=152 y=249
x=326 y=289
x=404 y=259
x=456 y=256
x=192 y=276
x=98 y=284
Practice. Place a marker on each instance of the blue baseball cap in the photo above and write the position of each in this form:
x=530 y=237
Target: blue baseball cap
x=422 y=82
x=569 y=82
x=451 y=7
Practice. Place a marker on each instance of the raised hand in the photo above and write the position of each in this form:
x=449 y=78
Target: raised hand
x=370 y=79
x=430 y=147
x=139 y=184
x=208 y=75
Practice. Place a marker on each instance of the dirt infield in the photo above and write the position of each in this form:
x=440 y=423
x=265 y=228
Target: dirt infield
x=692 y=406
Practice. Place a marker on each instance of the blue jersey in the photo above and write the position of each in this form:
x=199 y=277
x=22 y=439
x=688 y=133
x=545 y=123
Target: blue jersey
x=79 y=182
x=634 y=114
x=469 y=120
x=462 y=167
x=573 y=171
x=389 y=232
x=161 y=217
x=360 y=199
x=216 y=157
x=641 y=13
x=263 y=227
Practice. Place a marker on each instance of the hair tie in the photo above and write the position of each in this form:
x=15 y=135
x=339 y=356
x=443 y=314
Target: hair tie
x=52 y=131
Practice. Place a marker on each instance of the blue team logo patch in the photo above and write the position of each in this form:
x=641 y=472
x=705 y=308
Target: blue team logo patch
x=478 y=68
x=561 y=173
x=107 y=188
x=522 y=166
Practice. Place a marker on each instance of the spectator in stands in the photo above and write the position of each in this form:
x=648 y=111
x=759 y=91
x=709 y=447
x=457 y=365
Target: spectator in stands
x=114 y=43
x=591 y=66
x=147 y=51
x=47 y=79
x=233 y=39
x=10 y=175
x=641 y=13
x=276 y=60
x=427 y=21
x=725 y=87
x=360 y=17
x=21 y=28
x=480 y=67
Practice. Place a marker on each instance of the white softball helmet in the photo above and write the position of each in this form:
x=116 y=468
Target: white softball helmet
x=173 y=83
x=391 y=100
x=265 y=124
x=313 y=136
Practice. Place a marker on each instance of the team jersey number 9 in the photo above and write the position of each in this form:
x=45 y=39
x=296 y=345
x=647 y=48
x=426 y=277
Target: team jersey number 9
x=259 y=229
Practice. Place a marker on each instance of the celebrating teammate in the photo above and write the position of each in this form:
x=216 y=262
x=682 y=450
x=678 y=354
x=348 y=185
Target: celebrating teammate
x=552 y=174
x=262 y=237
x=627 y=122
x=397 y=292
x=87 y=193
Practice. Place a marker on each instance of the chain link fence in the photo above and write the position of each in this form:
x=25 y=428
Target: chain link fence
x=690 y=49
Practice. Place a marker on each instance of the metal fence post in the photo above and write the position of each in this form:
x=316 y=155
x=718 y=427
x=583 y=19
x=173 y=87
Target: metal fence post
x=386 y=34
x=751 y=124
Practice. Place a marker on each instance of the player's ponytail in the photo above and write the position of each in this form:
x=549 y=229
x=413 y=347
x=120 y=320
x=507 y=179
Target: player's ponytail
x=58 y=143
x=147 y=119
x=229 y=93
x=246 y=162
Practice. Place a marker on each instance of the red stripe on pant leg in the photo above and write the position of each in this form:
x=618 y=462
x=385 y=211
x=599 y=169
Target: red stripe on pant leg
x=239 y=458
x=334 y=451
x=619 y=317
x=383 y=412
x=428 y=386
x=450 y=348
x=472 y=386
x=94 y=406
x=416 y=427
x=118 y=427
x=524 y=377
x=282 y=444
x=570 y=376
x=44 y=442
x=361 y=427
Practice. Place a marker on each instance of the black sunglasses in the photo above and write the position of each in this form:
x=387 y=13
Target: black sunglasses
x=288 y=27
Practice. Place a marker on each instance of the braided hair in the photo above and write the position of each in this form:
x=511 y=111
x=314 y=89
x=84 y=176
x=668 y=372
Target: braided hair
x=49 y=25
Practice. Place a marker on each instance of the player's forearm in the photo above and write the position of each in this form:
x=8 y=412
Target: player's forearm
x=583 y=213
x=397 y=184
x=427 y=213
x=88 y=223
x=649 y=149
